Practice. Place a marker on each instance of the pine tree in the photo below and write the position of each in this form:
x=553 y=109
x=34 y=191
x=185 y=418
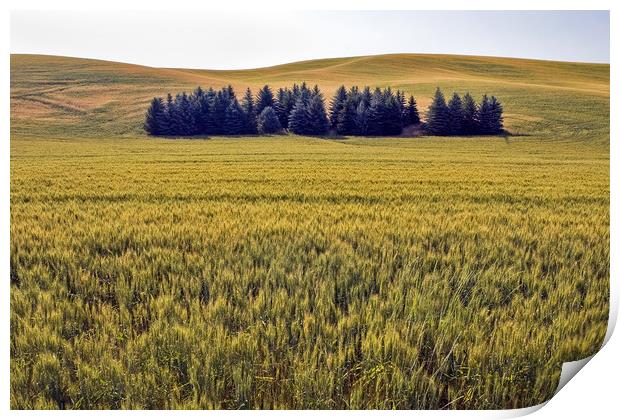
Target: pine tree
x=318 y=123
x=201 y=105
x=284 y=105
x=234 y=119
x=217 y=114
x=268 y=122
x=295 y=92
x=346 y=119
x=304 y=93
x=361 y=118
x=496 y=124
x=264 y=99
x=412 y=116
x=315 y=91
x=375 y=114
x=400 y=97
x=336 y=106
x=485 y=117
x=172 y=117
x=365 y=96
x=392 y=117
x=455 y=114
x=298 y=120
x=229 y=93
x=186 y=116
x=438 y=121
x=249 y=112
x=469 y=123
x=155 y=117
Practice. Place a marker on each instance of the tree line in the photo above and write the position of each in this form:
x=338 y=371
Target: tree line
x=464 y=116
x=301 y=110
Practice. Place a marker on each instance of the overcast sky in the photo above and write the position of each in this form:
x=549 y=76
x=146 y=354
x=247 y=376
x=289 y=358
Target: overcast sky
x=232 y=40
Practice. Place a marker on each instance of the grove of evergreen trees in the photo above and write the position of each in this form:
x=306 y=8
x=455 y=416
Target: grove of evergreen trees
x=301 y=110
x=464 y=116
x=376 y=113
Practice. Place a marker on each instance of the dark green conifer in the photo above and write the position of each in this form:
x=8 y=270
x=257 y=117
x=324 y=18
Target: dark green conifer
x=375 y=114
x=155 y=116
x=284 y=105
x=437 y=116
x=361 y=118
x=234 y=119
x=485 y=117
x=185 y=115
x=346 y=119
x=455 y=114
x=268 y=122
x=392 y=116
x=469 y=123
x=318 y=123
x=336 y=106
x=298 y=120
x=249 y=113
x=412 y=116
x=264 y=99
x=496 y=124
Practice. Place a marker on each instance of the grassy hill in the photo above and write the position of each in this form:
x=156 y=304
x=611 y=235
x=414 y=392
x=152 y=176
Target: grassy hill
x=299 y=272
x=61 y=96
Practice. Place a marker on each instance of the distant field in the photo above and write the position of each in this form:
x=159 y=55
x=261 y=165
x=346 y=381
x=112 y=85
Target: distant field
x=293 y=272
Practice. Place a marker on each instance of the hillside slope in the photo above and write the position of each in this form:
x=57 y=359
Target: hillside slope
x=72 y=97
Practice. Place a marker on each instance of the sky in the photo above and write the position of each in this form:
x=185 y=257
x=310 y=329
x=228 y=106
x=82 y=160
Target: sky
x=234 y=40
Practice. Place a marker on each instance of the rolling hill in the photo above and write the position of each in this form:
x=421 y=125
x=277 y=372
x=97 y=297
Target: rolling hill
x=65 y=97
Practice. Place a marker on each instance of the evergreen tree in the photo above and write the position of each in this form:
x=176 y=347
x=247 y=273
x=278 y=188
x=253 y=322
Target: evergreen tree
x=268 y=122
x=155 y=116
x=284 y=105
x=201 y=105
x=400 y=97
x=304 y=93
x=392 y=116
x=264 y=99
x=496 y=124
x=485 y=117
x=229 y=94
x=336 y=106
x=315 y=91
x=375 y=114
x=279 y=106
x=455 y=114
x=185 y=115
x=217 y=113
x=249 y=112
x=365 y=96
x=234 y=119
x=298 y=120
x=412 y=116
x=469 y=123
x=318 y=123
x=438 y=120
x=296 y=92
x=172 y=117
x=361 y=118
x=346 y=119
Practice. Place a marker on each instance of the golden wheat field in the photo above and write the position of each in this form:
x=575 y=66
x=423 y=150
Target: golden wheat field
x=299 y=272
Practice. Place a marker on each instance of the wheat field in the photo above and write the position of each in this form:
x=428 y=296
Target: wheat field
x=298 y=272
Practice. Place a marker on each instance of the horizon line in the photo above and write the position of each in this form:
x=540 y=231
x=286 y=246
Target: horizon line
x=312 y=59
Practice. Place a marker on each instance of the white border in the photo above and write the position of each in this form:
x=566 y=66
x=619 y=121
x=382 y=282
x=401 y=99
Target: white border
x=592 y=395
